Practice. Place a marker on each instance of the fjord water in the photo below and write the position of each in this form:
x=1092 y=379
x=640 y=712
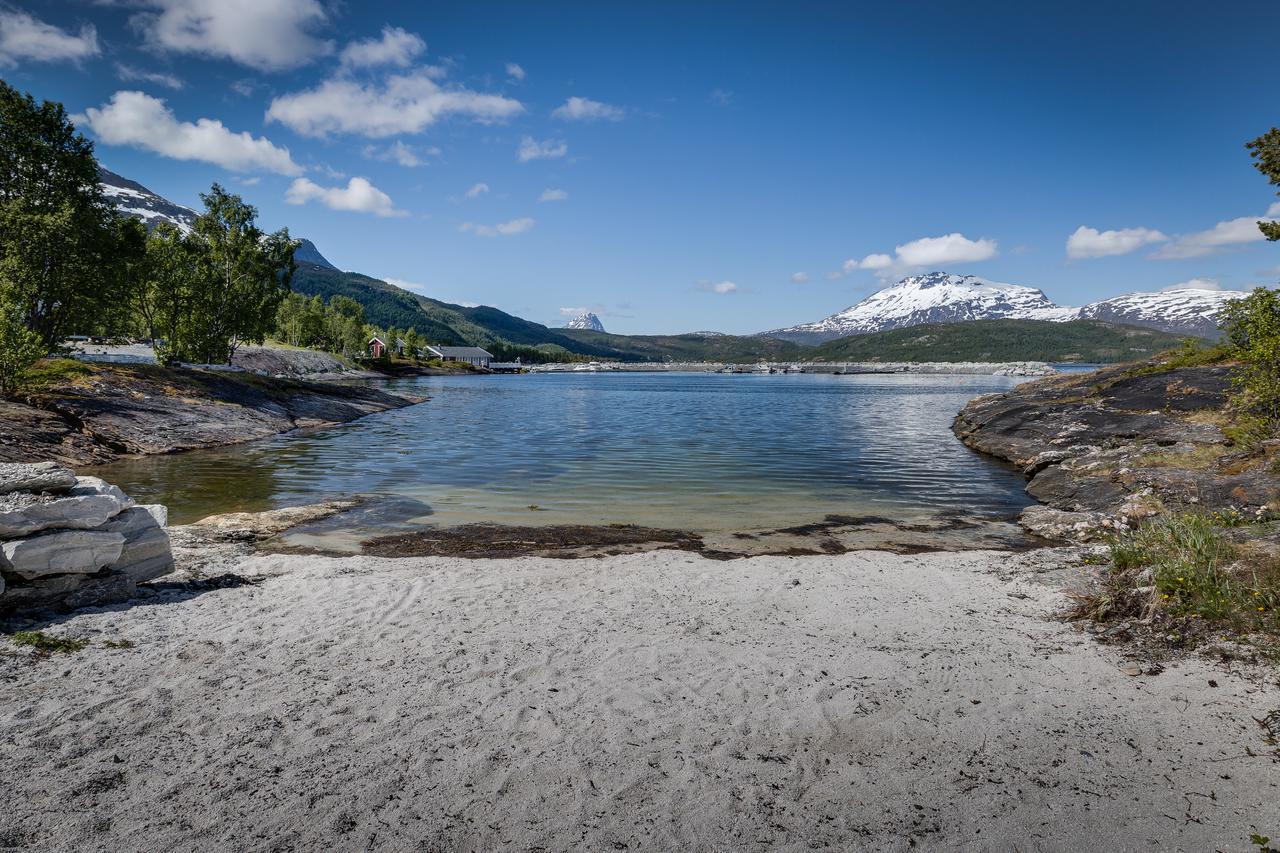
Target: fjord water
x=706 y=452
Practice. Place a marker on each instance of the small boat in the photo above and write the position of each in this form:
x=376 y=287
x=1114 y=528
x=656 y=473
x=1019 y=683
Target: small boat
x=762 y=368
x=794 y=368
x=589 y=367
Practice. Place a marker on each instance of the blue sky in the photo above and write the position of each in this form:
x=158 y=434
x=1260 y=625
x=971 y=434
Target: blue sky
x=682 y=166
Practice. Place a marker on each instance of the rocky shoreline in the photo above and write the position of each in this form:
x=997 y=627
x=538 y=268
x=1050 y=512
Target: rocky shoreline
x=1106 y=449
x=90 y=414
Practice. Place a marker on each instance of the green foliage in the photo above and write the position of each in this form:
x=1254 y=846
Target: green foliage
x=56 y=371
x=1252 y=325
x=20 y=348
x=48 y=643
x=1266 y=151
x=1090 y=341
x=1194 y=570
x=337 y=327
x=208 y=291
x=64 y=256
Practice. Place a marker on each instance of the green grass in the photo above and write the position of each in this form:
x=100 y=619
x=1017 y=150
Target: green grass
x=56 y=371
x=47 y=643
x=1185 y=565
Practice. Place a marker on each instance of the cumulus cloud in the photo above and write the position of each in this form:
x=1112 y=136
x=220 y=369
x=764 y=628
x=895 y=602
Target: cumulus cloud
x=947 y=249
x=398 y=152
x=585 y=109
x=799 y=277
x=553 y=195
x=130 y=74
x=405 y=103
x=477 y=190
x=515 y=72
x=721 y=288
x=502 y=229
x=396 y=47
x=23 y=36
x=1196 y=284
x=546 y=149
x=1087 y=242
x=141 y=121
x=358 y=196
x=269 y=35
x=1223 y=236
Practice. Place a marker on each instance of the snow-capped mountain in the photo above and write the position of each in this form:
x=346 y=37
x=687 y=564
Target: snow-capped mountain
x=1192 y=310
x=935 y=297
x=944 y=298
x=132 y=198
x=588 y=321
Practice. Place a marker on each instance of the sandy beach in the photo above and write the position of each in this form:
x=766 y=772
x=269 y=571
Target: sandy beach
x=653 y=701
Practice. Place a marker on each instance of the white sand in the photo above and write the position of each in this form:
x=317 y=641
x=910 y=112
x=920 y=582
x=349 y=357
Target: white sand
x=647 y=702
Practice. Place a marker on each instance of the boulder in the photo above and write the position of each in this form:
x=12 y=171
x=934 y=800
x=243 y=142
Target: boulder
x=137 y=518
x=99 y=486
x=1049 y=523
x=65 y=552
x=67 y=592
x=23 y=514
x=37 y=477
x=146 y=554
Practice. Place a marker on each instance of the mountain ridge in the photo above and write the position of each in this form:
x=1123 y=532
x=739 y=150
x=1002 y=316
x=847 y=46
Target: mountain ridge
x=940 y=297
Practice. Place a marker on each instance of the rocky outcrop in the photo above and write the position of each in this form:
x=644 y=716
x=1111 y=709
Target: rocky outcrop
x=1108 y=448
x=68 y=541
x=102 y=412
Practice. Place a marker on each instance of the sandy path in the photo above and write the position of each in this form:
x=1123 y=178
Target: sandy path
x=648 y=702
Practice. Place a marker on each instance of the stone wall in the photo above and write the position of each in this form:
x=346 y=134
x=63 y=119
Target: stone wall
x=68 y=541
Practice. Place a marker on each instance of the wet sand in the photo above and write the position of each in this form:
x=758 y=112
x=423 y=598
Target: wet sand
x=649 y=701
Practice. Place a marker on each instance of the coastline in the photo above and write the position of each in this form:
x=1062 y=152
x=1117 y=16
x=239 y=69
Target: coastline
x=657 y=701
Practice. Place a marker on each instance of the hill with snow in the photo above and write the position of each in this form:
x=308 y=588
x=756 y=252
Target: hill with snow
x=588 y=321
x=940 y=297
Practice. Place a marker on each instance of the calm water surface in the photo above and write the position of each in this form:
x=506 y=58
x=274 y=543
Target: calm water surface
x=694 y=451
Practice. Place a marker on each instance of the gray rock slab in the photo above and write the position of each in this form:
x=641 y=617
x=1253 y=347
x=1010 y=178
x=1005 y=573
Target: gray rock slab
x=35 y=477
x=71 y=513
x=65 y=552
x=99 y=486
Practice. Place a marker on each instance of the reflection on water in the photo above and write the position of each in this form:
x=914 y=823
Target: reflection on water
x=695 y=451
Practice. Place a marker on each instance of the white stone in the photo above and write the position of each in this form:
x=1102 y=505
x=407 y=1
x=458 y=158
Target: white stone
x=99 y=486
x=64 y=552
x=38 y=477
x=83 y=512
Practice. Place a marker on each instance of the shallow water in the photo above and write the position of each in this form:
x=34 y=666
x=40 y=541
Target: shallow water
x=705 y=452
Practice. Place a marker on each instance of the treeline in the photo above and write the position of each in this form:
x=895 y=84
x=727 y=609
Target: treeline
x=69 y=264
x=337 y=326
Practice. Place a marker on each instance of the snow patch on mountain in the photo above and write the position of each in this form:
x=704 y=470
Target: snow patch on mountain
x=588 y=321
x=133 y=199
x=945 y=298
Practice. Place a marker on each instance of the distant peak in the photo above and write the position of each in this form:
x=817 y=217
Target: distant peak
x=588 y=321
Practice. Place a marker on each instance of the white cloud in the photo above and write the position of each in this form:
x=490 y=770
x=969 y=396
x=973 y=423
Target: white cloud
x=396 y=47
x=585 y=109
x=265 y=34
x=129 y=74
x=574 y=312
x=406 y=103
x=23 y=36
x=876 y=262
x=941 y=251
x=533 y=149
x=799 y=277
x=502 y=229
x=477 y=190
x=1196 y=284
x=139 y=120
x=553 y=195
x=358 y=196
x=1224 y=235
x=398 y=152
x=720 y=287
x=515 y=72
x=723 y=97
x=1087 y=242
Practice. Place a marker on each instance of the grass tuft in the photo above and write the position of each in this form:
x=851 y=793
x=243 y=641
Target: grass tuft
x=47 y=643
x=1185 y=566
